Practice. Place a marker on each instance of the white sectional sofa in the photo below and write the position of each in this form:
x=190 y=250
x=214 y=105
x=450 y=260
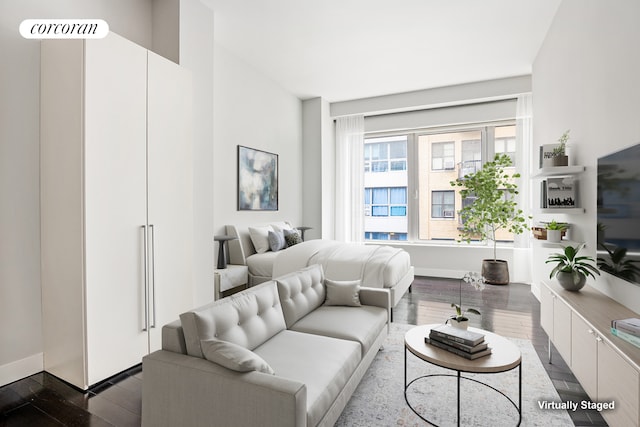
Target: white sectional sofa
x=288 y=352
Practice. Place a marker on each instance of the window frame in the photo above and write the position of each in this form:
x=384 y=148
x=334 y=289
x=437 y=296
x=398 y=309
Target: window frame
x=412 y=137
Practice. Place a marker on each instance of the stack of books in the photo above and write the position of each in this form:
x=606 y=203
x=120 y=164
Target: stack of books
x=627 y=329
x=468 y=344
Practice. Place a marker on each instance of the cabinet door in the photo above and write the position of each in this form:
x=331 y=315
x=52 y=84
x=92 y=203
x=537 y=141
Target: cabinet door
x=562 y=329
x=169 y=193
x=546 y=310
x=584 y=360
x=618 y=381
x=115 y=205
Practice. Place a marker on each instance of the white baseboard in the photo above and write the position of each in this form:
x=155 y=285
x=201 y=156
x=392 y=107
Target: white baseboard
x=21 y=368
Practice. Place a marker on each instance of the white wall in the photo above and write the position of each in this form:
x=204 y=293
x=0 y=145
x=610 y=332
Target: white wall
x=253 y=111
x=197 y=55
x=586 y=77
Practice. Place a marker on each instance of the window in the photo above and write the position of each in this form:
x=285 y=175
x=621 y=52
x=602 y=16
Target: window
x=437 y=158
x=385 y=154
x=505 y=142
x=443 y=204
x=443 y=156
x=386 y=182
x=385 y=201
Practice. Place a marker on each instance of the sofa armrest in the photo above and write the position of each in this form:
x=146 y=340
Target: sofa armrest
x=377 y=297
x=189 y=391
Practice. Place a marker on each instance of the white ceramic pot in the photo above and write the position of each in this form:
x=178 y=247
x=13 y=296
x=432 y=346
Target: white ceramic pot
x=463 y=324
x=554 y=236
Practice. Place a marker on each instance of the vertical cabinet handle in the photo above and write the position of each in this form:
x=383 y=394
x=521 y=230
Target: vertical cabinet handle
x=153 y=273
x=146 y=282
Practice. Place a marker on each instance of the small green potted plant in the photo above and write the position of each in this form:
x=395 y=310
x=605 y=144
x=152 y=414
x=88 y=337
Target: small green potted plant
x=554 y=231
x=460 y=319
x=572 y=270
x=559 y=153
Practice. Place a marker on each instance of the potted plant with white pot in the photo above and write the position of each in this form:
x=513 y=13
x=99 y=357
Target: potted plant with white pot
x=555 y=230
x=494 y=207
x=572 y=270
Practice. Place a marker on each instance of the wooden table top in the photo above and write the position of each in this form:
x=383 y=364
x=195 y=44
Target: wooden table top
x=504 y=356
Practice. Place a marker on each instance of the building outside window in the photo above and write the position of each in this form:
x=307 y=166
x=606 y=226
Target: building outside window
x=385 y=193
x=438 y=159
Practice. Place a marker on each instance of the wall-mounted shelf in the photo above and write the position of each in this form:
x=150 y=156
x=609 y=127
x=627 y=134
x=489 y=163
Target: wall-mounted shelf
x=558 y=171
x=568 y=211
x=560 y=244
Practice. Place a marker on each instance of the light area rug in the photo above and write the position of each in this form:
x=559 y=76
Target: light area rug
x=379 y=399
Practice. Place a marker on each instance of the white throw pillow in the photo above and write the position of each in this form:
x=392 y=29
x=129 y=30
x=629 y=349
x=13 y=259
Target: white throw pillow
x=233 y=356
x=281 y=226
x=343 y=293
x=260 y=238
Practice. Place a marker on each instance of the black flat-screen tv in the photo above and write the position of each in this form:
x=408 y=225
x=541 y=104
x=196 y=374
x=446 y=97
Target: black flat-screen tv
x=618 y=202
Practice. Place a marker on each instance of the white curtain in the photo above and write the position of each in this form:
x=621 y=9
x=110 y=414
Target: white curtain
x=349 y=214
x=524 y=136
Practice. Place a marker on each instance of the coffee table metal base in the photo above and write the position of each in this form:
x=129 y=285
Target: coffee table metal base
x=459 y=377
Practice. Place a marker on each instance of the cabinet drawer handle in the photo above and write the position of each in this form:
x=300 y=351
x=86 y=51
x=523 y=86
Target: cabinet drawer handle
x=590 y=331
x=598 y=339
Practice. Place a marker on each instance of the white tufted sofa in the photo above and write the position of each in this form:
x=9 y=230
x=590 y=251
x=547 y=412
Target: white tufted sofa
x=318 y=353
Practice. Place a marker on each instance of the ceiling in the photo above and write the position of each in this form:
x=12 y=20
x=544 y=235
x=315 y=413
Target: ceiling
x=350 y=49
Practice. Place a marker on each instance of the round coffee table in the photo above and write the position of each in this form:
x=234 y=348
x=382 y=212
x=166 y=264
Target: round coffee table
x=504 y=357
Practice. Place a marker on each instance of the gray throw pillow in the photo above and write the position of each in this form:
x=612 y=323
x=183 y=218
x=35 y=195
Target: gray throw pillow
x=292 y=237
x=343 y=293
x=276 y=241
x=233 y=356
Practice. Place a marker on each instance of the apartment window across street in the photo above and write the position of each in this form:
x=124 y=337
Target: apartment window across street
x=438 y=158
x=443 y=156
x=443 y=204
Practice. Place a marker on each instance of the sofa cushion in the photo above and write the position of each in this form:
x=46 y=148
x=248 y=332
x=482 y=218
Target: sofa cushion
x=301 y=292
x=247 y=318
x=233 y=356
x=362 y=324
x=276 y=241
x=260 y=238
x=323 y=364
x=343 y=292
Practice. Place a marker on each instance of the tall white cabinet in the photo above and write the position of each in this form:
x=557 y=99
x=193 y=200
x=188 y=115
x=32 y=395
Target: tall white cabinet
x=116 y=204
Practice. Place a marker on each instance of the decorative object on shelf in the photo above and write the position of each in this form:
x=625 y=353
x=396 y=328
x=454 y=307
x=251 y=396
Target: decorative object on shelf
x=560 y=157
x=561 y=192
x=222 y=249
x=556 y=230
x=257 y=180
x=302 y=229
x=492 y=191
x=572 y=270
x=460 y=320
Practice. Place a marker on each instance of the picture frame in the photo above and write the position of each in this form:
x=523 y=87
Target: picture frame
x=257 y=180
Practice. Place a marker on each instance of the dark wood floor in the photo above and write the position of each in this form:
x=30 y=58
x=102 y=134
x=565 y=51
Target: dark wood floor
x=512 y=311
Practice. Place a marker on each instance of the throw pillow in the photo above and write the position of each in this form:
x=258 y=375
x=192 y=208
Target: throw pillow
x=260 y=238
x=233 y=356
x=343 y=293
x=276 y=241
x=292 y=237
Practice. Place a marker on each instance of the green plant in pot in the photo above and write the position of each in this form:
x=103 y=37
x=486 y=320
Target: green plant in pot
x=460 y=319
x=494 y=207
x=572 y=270
x=554 y=230
x=559 y=156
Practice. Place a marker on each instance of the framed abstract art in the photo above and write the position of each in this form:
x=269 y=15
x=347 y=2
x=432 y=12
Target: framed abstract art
x=257 y=180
